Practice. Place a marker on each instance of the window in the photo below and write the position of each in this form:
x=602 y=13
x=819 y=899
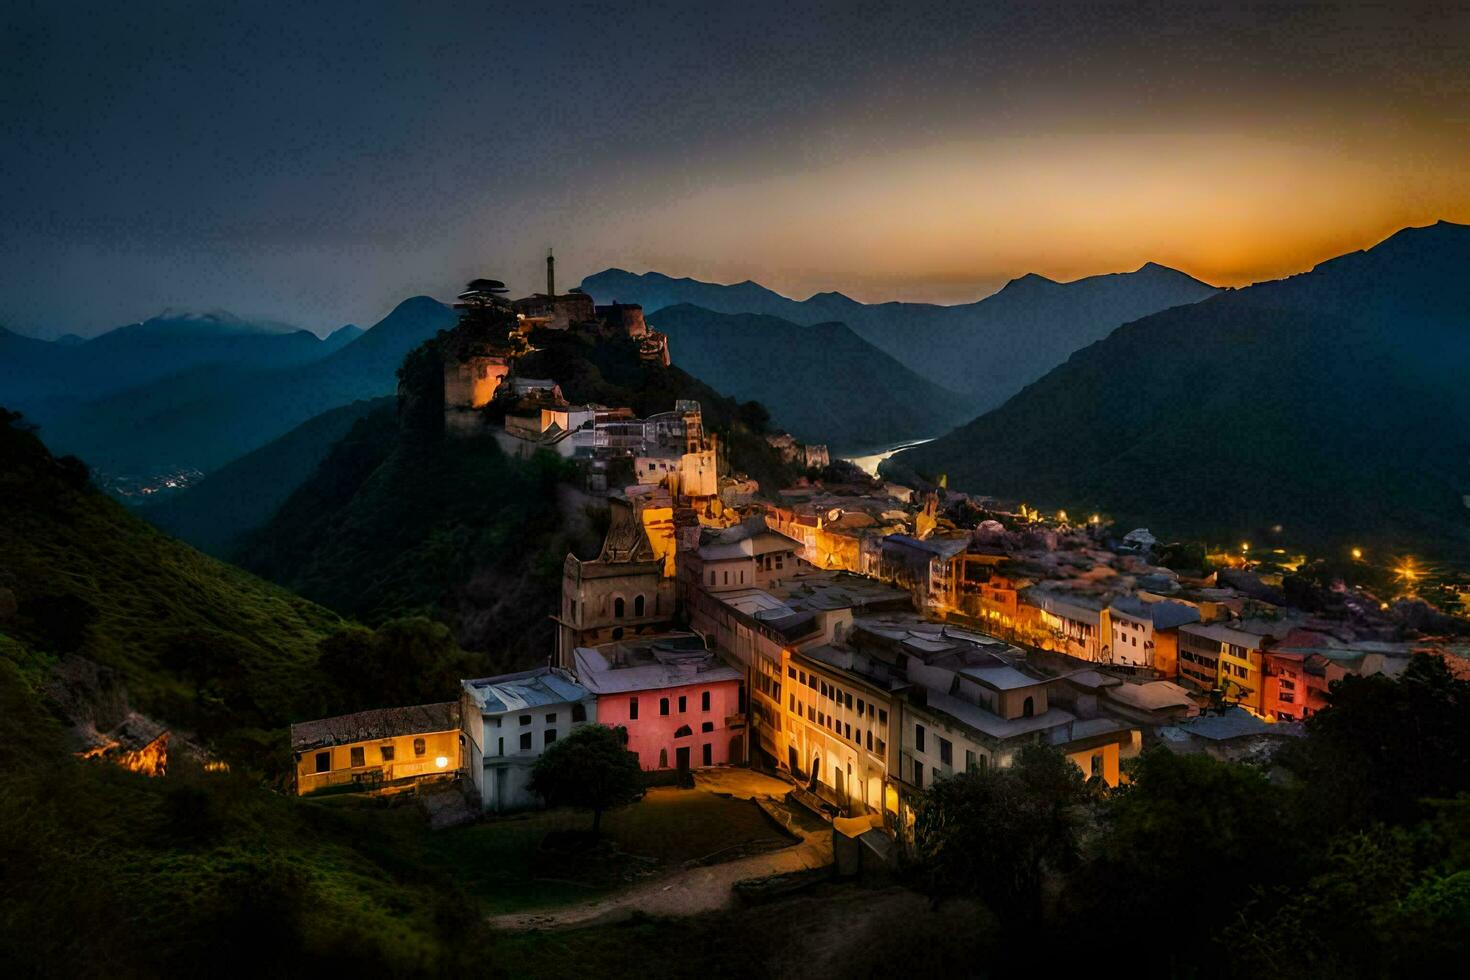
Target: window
x=1028 y=708
x=525 y=720
x=704 y=699
x=579 y=712
x=633 y=709
x=356 y=756
x=882 y=717
x=811 y=713
x=708 y=754
x=790 y=671
x=860 y=707
x=1097 y=765
x=525 y=741
x=682 y=702
x=847 y=731
x=811 y=681
x=551 y=718
x=711 y=576
x=791 y=702
x=707 y=726
x=500 y=746
x=918 y=774
x=549 y=737
x=386 y=751
x=419 y=748
x=969 y=761
x=847 y=699
x=870 y=740
x=946 y=752
x=880 y=746
x=919 y=737
x=663 y=706
x=727 y=578
x=619 y=607
x=638 y=606
x=802 y=678
x=822 y=719
x=683 y=731
x=824 y=691
x=323 y=761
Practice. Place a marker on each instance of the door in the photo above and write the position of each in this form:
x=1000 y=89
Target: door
x=681 y=755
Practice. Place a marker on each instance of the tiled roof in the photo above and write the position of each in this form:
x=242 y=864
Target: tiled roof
x=379 y=723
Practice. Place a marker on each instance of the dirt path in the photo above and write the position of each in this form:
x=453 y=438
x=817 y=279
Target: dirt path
x=692 y=890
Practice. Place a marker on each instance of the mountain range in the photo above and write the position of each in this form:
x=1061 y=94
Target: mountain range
x=1332 y=404
x=986 y=350
x=822 y=382
x=192 y=395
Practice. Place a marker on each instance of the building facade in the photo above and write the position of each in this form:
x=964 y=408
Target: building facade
x=509 y=721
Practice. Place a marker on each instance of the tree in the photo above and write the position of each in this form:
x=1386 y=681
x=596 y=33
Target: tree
x=1385 y=744
x=405 y=661
x=591 y=769
x=1033 y=807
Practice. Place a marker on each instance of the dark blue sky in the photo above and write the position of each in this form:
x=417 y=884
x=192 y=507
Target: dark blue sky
x=317 y=163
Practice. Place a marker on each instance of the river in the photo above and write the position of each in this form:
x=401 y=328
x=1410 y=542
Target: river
x=868 y=463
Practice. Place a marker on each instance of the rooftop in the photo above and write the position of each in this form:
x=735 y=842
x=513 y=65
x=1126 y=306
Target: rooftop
x=527 y=689
x=650 y=663
x=379 y=723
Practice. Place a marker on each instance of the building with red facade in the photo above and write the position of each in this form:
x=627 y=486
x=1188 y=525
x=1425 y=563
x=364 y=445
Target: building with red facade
x=681 y=704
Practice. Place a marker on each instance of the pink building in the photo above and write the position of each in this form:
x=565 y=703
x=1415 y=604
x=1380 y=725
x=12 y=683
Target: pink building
x=679 y=702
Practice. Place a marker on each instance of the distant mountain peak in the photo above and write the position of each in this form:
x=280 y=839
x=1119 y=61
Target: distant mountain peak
x=1030 y=280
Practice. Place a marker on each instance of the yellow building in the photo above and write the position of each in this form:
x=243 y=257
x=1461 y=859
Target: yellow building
x=385 y=749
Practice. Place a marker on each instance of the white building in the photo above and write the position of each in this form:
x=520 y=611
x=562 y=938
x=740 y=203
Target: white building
x=509 y=721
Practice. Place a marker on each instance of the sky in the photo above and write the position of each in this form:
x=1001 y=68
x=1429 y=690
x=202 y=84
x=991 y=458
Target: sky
x=316 y=164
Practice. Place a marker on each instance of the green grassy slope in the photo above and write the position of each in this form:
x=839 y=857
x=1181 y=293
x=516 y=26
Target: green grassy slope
x=92 y=579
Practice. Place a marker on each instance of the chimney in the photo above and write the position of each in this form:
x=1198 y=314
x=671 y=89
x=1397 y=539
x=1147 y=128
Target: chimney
x=550 y=274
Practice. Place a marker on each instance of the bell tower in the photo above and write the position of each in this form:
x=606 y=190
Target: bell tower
x=550 y=274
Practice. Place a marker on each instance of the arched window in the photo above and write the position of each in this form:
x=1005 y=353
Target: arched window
x=638 y=606
x=1028 y=708
x=619 y=607
x=682 y=731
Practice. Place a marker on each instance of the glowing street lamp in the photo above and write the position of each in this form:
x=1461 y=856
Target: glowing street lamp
x=442 y=762
x=1357 y=554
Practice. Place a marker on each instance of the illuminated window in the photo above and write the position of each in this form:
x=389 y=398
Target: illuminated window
x=419 y=748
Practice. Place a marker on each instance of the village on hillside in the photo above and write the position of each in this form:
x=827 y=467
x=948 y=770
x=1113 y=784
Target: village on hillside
x=855 y=639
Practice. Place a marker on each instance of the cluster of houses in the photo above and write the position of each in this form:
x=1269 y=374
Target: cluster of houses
x=850 y=637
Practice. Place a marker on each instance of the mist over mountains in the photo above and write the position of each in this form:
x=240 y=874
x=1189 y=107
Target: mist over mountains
x=201 y=392
x=986 y=350
x=1332 y=403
